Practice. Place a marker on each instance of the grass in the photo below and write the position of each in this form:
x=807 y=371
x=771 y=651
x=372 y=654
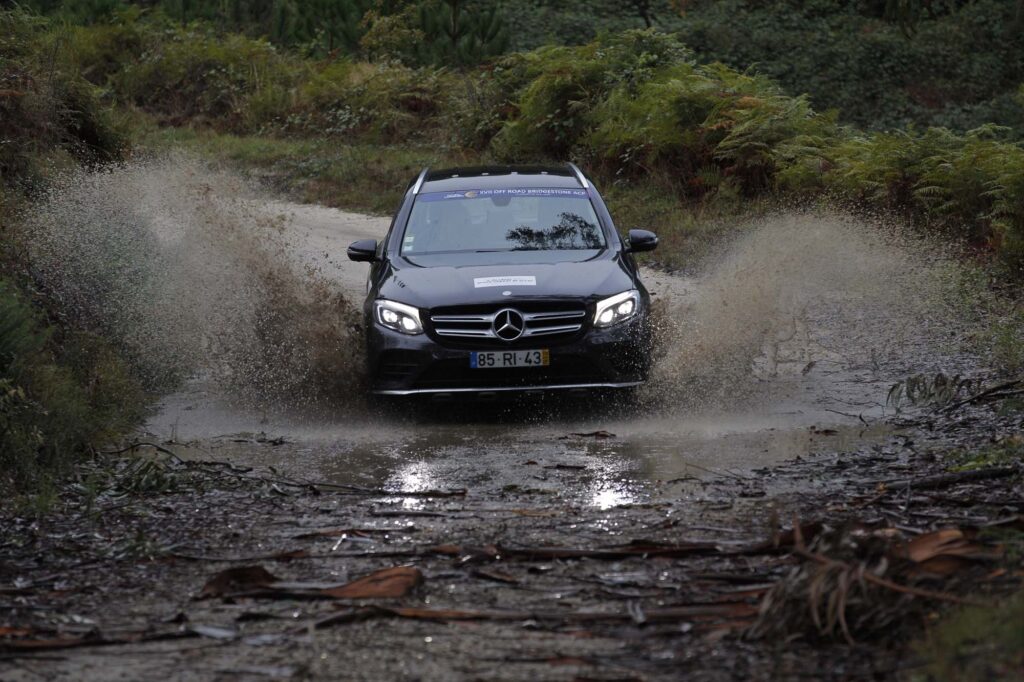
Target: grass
x=976 y=644
x=1009 y=451
x=364 y=177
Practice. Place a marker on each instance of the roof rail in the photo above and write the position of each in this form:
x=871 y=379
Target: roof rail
x=579 y=175
x=419 y=180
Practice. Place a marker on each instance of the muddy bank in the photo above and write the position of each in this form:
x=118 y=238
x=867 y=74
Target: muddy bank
x=527 y=582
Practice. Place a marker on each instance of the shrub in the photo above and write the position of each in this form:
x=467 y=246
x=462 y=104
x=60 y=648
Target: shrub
x=45 y=109
x=190 y=75
x=972 y=184
x=54 y=398
x=708 y=125
x=556 y=88
x=957 y=69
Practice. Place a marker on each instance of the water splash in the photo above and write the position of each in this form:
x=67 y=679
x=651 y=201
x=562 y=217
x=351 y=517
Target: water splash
x=192 y=279
x=798 y=292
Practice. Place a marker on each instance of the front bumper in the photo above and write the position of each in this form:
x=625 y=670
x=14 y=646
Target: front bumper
x=613 y=358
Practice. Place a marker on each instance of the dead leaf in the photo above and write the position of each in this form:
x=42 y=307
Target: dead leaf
x=940 y=566
x=947 y=542
x=451 y=550
x=388 y=583
x=498 y=576
x=238 y=579
x=6 y=631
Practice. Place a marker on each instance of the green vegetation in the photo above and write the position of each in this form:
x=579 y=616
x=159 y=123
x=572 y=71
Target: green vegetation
x=56 y=394
x=637 y=108
x=976 y=644
x=1009 y=451
x=883 y=64
x=60 y=388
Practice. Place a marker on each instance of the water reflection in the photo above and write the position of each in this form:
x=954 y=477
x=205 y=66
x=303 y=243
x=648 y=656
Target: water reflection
x=570 y=232
x=528 y=461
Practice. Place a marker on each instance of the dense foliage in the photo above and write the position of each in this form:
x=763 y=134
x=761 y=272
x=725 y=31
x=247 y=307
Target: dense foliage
x=45 y=110
x=959 y=67
x=634 y=106
x=882 y=64
x=60 y=388
x=58 y=393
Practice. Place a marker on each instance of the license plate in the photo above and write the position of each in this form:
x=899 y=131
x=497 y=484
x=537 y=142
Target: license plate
x=509 y=358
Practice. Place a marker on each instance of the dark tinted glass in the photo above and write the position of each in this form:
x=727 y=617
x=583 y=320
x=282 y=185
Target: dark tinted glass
x=539 y=219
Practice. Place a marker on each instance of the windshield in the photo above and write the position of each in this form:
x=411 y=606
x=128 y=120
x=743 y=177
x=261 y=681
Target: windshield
x=544 y=219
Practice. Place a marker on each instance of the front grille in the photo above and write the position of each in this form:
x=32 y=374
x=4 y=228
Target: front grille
x=540 y=320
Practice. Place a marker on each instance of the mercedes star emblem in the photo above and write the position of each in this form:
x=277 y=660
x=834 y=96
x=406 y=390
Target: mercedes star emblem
x=509 y=324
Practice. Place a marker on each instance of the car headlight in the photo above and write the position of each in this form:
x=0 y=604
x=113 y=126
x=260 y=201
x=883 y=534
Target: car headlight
x=617 y=308
x=397 y=316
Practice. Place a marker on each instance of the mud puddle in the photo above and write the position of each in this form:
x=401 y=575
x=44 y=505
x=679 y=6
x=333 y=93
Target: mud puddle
x=614 y=457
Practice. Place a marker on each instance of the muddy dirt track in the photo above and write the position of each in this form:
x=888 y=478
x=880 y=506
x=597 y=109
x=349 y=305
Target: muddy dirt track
x=806 y=391
x=541 y=540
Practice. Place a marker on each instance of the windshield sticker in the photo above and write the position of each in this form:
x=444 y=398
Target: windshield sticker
x=507 y=281
x=564 y=193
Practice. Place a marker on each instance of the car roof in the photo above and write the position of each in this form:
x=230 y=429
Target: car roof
x=498 y=177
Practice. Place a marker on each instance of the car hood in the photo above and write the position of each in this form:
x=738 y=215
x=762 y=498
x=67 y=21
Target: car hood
x=478 y=284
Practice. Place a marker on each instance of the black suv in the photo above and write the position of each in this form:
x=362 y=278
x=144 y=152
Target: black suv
x=509 y=278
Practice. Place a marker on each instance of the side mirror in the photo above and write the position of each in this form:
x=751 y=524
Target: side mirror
x=363 y=250
x=642 y=240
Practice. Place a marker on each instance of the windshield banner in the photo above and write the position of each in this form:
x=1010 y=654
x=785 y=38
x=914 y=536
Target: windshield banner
x=560 y=192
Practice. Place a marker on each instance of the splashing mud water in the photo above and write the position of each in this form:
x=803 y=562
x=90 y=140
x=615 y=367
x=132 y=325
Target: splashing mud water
x=797 y=293
x=192 y=279
x=197 y=278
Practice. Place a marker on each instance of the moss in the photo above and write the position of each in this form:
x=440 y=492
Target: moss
x=1009 y=451
x=976 y=644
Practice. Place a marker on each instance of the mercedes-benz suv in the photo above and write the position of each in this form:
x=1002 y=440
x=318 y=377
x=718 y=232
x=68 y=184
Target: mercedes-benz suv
x=509 y=278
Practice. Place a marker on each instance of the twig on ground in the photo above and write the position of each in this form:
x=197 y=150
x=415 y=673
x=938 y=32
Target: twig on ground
x=985 y=394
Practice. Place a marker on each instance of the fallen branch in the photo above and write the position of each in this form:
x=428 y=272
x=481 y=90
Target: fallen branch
x=728 y=609
x=985 y=394
x=800 y=549
x=27 y=646
x=133 y=446
x=944 y=480
x=623 y=552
